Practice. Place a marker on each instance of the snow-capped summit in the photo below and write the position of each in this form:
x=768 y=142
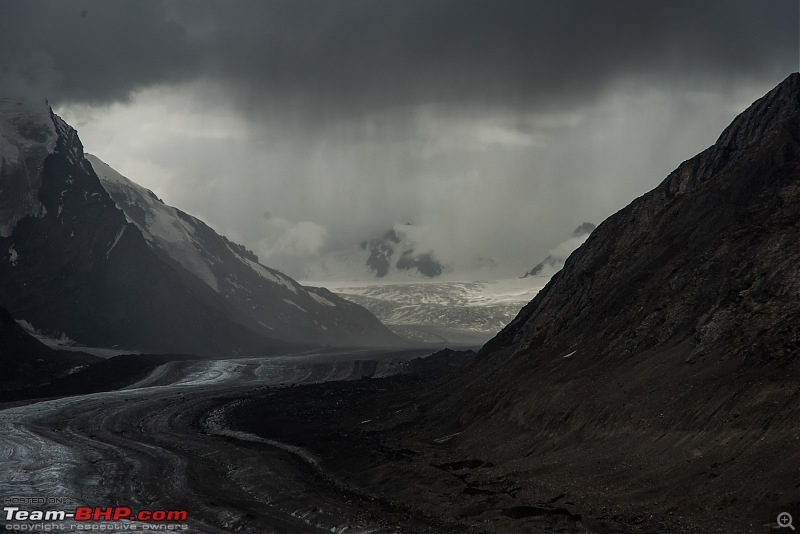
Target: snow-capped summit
x=88 y=253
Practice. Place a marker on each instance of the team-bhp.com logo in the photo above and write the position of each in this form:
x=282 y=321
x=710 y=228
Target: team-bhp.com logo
x=87 y=513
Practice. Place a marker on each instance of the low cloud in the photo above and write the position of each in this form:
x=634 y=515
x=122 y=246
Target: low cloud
x=285 y=242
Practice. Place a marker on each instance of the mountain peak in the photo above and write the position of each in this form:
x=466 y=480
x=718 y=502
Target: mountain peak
x=778 y=107
x=718 y=232
x=27 y=136
x=86 y=252
x=676 y=317
x=764 y=127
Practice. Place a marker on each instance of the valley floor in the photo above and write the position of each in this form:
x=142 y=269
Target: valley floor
x=378 y=438
x=339 y=442
x=162 y=444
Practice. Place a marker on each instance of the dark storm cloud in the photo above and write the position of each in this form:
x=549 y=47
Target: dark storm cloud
x=341 y=118
x=91 y=51
x=349 y=55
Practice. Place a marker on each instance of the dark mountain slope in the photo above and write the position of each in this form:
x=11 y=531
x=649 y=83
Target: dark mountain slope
x=654 y=383
x=131 y=272
x=262 y=299
x=709 y=257
x=77 y=272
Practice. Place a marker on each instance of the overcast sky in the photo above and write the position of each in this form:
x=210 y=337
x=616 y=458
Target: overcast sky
x=297 y=127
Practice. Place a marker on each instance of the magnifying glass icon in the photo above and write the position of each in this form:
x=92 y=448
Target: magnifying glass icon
x=785 y=520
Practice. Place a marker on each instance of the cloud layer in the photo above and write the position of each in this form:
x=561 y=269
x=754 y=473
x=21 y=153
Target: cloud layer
x=498 y=125
x=348 y=56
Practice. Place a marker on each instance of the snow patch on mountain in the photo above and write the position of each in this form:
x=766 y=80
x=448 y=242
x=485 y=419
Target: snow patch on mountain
x=116 y=240
x=172 y=230
x=267 y=274
x=452 y=311
x=319 y=298
x=291 y=303
x=12 y=256
x=160 y=224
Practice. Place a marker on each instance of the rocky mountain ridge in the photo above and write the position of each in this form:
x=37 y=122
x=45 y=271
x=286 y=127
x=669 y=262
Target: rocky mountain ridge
x=711 y=244
x=556 y=258
x=654 y=384
x=106 y=263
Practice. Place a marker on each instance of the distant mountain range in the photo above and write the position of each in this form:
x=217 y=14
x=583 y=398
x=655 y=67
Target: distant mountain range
x=389 y=252
x=87 y=254
x=397 y=253
x=458 y=313
x=403 y=253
